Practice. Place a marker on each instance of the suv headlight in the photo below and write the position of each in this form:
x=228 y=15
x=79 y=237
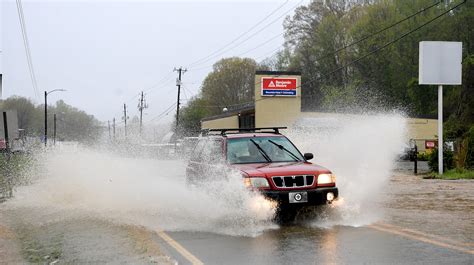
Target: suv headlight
x=326 y=179
x=257 y=182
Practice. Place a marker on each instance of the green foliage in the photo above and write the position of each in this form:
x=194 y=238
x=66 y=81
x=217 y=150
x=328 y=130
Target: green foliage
x=469 y=146
x=387 y=78
x=232 y=81
x=423 y=156
x=448 y=160
x=191 y=116
x=72 y=124
x=456 y=174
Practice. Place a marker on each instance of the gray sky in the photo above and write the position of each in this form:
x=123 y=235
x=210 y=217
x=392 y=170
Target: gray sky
x=105 y=52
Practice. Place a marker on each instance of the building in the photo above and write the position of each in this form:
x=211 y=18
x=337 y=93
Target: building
x=278 y=103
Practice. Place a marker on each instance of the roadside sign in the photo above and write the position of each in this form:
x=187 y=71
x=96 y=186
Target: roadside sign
x=431 y=144
x=276 y=86
x=440 y=63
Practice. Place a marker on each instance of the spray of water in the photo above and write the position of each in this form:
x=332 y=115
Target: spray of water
x=78 y=182
x=146 y=192
x=361 y=150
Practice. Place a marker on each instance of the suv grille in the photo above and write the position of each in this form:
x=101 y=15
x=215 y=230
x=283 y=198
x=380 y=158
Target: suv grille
x=293 y=181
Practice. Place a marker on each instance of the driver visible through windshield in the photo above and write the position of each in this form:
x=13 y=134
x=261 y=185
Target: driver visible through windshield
x=261 y=150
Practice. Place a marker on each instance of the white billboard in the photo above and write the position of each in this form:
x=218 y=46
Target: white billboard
x=440 y=63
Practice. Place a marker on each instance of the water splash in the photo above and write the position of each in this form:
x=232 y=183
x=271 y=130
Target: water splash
x=361 y=150
x=144 y=192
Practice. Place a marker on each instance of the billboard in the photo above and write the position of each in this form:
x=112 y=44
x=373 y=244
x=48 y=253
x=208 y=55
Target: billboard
x=278 y=86
x=440 y=63
x=12 y=122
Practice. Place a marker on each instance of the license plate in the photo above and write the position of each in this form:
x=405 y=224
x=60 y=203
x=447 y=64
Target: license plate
x=298 y=197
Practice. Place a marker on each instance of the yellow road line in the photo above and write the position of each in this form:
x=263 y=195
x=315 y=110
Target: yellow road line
x=421 y=238
x=178 y=247
x=433 y=236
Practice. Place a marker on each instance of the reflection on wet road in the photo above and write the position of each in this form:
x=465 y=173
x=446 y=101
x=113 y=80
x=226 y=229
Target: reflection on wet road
x=304 y=245
x=426 y=222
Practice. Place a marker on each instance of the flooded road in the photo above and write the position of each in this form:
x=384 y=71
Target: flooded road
x=99 y=219
x=440 y=207
x=101 y=206
x=425 y=222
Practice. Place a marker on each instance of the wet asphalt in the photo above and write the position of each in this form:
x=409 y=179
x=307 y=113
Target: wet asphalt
x=427 y=222
x=300 y=245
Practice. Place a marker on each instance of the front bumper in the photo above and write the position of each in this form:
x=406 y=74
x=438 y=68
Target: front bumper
x=316 y=196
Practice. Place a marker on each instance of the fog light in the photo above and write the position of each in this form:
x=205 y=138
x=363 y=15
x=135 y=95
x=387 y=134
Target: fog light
x=330 y=196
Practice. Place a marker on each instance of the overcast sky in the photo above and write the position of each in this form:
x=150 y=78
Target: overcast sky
x=105 y=52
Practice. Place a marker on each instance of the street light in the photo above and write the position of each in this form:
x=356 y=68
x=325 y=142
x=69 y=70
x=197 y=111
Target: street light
x=46 y=93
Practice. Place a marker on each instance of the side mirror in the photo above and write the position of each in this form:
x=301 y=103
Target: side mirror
x=308 y=156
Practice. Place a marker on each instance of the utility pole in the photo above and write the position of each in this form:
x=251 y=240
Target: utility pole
x=5 y=130
x=108 y=123
x=45 y=118
x=125 y=117
x=180 y=71
x=141 y=106
x=54 y=129
x=113 y=124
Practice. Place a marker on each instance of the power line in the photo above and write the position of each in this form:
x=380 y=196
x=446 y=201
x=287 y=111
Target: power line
x=386 y=44
x=26 y=43
x=166 y=111
x=363 y=39
x=378 y=32
x=360 y=58
x=249 y=37
x=243 y=34
x=165 y=79
x=348 y=45
x=249 y=50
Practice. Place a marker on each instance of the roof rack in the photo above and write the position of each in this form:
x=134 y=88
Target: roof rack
x=225 y=131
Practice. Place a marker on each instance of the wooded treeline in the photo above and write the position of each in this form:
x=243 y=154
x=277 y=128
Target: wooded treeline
x=331 y=43
x=72 y=124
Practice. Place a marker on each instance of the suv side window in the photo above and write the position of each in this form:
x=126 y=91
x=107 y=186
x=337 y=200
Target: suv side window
x=212 y=152
x=196 y=154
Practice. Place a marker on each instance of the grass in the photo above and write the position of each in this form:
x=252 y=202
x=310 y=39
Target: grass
x=13 y=171
x=39 y=245
x=455 y=174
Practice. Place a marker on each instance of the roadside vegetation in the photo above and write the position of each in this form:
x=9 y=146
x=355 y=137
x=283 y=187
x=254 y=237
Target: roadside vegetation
x=72 y=124
x=334 y=46
x=14 y=170
x=454 y=174
x=458 y=164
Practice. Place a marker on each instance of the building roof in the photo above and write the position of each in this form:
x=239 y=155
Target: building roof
x=232 y=112
x=277 y=73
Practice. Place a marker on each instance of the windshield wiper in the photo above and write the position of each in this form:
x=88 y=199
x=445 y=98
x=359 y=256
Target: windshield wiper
x=284 y=148
x=265 y=155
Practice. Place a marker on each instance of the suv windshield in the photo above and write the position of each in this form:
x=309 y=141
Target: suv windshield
x=261 y=150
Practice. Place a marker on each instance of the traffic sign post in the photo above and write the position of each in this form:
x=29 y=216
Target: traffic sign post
x=440 y=64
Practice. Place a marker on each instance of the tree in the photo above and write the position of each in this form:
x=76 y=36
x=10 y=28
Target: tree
x=25 y=111
x=231 y=82
x=191 y=116
x=72 y=124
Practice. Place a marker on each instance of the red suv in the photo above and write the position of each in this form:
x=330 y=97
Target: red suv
x=269 y=162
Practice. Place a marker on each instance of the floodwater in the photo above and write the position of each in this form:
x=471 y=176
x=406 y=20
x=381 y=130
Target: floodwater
x=440 y=207
x=80 y=193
